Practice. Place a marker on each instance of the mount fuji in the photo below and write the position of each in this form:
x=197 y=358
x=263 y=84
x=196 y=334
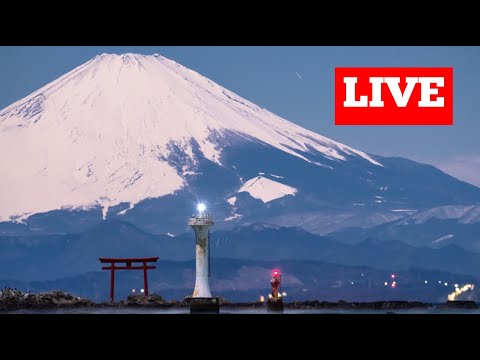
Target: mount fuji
x=143 y=139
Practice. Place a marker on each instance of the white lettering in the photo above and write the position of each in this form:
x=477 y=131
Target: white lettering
x=350 y=94
x=393 y=83
x=394 y=86
x=427 y=91
x=376 y=92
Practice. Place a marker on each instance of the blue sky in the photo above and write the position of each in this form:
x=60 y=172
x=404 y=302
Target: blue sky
x=268 y=77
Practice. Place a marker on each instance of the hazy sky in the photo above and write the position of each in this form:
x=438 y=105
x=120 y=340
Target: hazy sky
x=297 y=84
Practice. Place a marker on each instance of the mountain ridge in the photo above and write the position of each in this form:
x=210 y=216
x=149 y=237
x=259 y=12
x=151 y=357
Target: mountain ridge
x=48 y=257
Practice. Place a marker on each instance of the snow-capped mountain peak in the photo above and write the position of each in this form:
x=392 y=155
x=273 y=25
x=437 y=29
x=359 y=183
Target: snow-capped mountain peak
x=103 y=134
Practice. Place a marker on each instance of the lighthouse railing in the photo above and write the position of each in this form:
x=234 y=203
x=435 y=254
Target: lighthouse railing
x=201 y=219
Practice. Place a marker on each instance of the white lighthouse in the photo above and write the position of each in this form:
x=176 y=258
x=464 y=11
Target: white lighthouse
x=201 y=223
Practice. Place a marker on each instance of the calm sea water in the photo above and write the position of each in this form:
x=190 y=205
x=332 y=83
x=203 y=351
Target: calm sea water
x=242 y=311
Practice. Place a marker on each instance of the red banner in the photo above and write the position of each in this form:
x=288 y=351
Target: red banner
x=394 y=96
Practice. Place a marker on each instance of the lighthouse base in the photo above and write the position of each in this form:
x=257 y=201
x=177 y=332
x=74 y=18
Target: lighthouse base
x=275 y=306
x=204 y=305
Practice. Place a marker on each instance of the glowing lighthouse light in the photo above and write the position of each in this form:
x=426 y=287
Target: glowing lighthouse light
x=276 y=272
x=201 y=207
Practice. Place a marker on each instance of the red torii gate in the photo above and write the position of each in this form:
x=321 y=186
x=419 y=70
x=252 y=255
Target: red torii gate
x=128 y=266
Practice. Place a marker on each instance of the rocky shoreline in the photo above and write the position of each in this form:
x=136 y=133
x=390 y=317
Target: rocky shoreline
x=13 y=299
x=343 y=305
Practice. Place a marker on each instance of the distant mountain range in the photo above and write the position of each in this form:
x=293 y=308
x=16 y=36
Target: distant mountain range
x=435 y=228
x=55 y=256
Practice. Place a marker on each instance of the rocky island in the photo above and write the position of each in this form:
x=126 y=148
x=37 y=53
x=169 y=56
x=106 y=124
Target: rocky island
x=13 y=299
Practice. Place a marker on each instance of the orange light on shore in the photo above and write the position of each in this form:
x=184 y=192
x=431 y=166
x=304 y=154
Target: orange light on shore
x=459 y=290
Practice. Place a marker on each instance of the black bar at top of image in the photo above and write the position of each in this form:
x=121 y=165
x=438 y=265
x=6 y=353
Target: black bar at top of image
x=243 y=26
x=210 y=39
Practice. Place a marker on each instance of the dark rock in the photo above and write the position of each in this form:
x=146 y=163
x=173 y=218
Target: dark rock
x=142 y=300
x=12 y=299
x=186 y=300
x=15 y=299
x=175 y=303
x=457 y=304
x=343 y=305
x=223 y=301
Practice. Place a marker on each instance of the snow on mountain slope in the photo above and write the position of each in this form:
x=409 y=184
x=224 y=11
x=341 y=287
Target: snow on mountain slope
x=102 y=135
x=266 y=190
x=471 y=216
x=463 y=214
x=442 y=238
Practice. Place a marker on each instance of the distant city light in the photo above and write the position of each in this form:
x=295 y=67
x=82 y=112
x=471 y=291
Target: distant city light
x=262 y=298
x=458 y=291
x=393 y=276
x=201 y=207
x=352 y=282
x=426 y=281
x=394 y=284
x=142 y=290
x=440 y=281
x=133 y=290
x=385 y=283
x=456 y=285
x=284 y=294
x=362 y=274
x=446 y=284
